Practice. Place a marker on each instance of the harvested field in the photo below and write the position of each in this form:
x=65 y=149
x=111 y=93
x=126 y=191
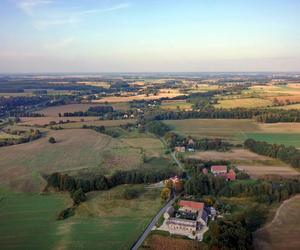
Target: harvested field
x=41 y=121
x=284 y=127
x=106 y=123
x=159 y=242
x=75 y=150
x=244 y=103
x=283 y=232
x=164 y=93
x=237 y=155
x=54 y=111
x=281 y=170
x=76 y=122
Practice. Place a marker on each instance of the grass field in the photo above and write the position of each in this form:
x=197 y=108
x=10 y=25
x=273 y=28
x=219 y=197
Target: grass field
x=283 y=232
x=244 y=103
x=105 y=221
x=231 y=129
x=54 y=111
x=237 y=131
x=75 y=150
x=174 y=105
x=279 y=138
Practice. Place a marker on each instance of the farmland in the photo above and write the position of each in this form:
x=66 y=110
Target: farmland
x=75 y=150
x=283 y=232
x=244 y=103
x=237 y=131
x=54 y=111
x=105 y=213
x=174 y=105
x=73 y=121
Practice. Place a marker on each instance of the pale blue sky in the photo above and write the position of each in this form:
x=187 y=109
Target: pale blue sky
x=157 y=35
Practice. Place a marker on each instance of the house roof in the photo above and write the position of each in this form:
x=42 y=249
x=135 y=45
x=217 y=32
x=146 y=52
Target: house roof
x=231 y=174
x=218 y=168
x=191 y=204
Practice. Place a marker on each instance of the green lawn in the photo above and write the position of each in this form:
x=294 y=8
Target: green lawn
x=280 y=138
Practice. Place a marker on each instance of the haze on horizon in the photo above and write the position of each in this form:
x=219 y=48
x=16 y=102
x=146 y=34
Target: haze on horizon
x=149 y=36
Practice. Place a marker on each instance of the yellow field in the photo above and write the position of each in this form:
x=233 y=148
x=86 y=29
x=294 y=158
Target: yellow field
x=244 y=103
x=175 y=104
x=166 y=93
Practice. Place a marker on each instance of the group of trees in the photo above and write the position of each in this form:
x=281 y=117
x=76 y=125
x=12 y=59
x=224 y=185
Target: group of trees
x=64 y=182
x=290 y=154
x=175 y=140
x=92 y=111
x=157 y=127
x=24 y=137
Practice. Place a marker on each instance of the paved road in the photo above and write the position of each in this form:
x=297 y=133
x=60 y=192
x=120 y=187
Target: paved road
x=152 y=224
x=162 y=211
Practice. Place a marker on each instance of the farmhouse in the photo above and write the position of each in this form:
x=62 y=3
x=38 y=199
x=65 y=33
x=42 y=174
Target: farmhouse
x=189 y=220
x=222 y=171
x=180 y=149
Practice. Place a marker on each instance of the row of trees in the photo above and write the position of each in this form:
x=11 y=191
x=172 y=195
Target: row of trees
x=261 y=115
x=64 y=182
x=92 y=111
x=290 y=154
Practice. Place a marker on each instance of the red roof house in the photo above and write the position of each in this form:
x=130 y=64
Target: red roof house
x=191 y=205
x=231 y=175
x=219 y=170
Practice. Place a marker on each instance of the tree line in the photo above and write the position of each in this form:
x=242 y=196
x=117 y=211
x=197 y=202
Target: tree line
x=65 y=182
x=260 y=115
x=287 y=154
x=92 y=111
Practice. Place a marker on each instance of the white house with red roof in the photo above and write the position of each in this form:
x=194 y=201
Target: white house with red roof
x=221 y=170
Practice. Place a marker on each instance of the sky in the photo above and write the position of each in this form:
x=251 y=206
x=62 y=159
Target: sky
x=149 y=36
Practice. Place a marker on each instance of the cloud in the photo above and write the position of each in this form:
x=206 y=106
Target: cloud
x=61 y=44
x=43 y=18
x=28 y=6
x=113 y=8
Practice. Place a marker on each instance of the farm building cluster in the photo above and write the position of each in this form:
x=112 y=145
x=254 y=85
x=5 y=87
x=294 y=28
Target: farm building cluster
x=189 y=220
x=221 y=170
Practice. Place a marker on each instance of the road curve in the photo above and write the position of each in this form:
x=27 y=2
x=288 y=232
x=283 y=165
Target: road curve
x=152 y=224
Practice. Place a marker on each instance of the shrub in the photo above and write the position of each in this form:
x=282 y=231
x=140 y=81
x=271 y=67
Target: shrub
x=52 y=140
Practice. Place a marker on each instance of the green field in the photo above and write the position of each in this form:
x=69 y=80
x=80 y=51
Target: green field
x=105 y=221
x=174 y=105
x=230 y=129
x=238 y=130
x=280 y=138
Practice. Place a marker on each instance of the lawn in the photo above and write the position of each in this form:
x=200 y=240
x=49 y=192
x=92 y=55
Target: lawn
x=105 y=221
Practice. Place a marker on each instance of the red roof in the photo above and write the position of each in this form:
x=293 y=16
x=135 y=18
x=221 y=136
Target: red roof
x=191 y=204
x=219 y=168
x=231 y=175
